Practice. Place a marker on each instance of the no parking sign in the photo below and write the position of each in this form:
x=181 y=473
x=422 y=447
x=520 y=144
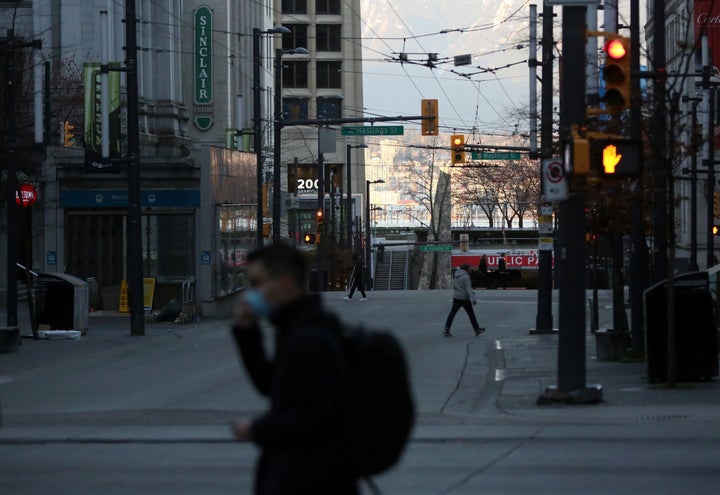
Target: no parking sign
x=555 y=186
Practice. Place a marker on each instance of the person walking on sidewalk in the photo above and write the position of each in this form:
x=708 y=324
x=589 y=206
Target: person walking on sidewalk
x=306 y=380
x=463 y=297
x=357 y=279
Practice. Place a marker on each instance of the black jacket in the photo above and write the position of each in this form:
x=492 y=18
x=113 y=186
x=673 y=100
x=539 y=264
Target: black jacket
x=306 y=385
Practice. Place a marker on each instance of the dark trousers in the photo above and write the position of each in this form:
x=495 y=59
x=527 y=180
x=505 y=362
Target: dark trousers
x=467 y=305
x=356 y=285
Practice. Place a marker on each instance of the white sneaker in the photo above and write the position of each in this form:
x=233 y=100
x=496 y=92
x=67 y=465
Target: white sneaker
x=363 y=299
x=346 y=298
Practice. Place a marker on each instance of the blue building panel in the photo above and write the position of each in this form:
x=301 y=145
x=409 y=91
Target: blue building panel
x=118 y=198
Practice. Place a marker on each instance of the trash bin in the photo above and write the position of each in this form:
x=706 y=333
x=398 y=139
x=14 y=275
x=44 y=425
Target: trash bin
x=62 y=302
x=318 y=280
x=695 y=336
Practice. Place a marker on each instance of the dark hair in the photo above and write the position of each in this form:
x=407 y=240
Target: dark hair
x=280 y=259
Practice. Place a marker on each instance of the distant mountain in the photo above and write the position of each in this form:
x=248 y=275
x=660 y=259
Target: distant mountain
x=406 y=18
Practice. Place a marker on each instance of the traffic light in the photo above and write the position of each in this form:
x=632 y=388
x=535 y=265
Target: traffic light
x=309 y=238
x=618 y=158
x=616 y=73
x=68 y=137
x=319 y=217
x=716 y=229
x=457 y=148
x=429 y=108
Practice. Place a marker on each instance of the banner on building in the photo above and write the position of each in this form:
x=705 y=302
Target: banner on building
x=203 y=98
x=707 y=23
x=93 y=118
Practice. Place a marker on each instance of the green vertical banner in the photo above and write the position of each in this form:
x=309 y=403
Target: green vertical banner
x=93 y=131
x=203 y=98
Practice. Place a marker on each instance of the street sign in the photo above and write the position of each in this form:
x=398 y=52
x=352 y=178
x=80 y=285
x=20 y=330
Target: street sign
x=435 y=247
x=572 y=3
x=554 y=182
x=495 y=155
x=375 y=130
x=463 y=60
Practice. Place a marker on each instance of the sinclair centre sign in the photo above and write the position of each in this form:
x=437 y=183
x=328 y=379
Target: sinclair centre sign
x=203 y=100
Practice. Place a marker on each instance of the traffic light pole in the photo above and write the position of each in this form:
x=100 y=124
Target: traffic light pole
x=134 y=240
x=10 y=335
x=571 y=386
x=544 y=317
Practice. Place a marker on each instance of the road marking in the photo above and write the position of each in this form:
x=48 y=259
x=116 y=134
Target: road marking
x=498 y=345
x=500 y=375
x=5 y=379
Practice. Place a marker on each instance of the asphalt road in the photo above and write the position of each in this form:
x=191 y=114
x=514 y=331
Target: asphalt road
x=115 y=414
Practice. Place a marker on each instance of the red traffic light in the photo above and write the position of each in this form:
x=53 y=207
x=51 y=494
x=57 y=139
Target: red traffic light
x=615 y=49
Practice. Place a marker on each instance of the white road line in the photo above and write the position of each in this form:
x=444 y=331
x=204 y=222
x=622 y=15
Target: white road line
x=5 y=379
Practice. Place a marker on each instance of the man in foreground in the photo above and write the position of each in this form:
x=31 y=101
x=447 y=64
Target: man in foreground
x=306 y=380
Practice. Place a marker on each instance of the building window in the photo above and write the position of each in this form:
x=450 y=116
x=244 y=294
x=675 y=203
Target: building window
x=329 y=107
x=295 y=108
x=329 y=74
x=327 y=6
x=294 y=6
x=328 y=37
x=296 y=38
x=295 y=74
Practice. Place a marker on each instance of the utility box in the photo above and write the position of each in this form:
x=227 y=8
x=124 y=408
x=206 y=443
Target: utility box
x=62 y=302
x=695 y=340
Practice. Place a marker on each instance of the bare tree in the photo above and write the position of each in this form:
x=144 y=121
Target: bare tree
x=431 y=192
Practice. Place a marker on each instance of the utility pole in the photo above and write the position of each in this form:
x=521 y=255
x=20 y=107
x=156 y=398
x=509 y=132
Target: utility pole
x=10 y=334
x=544 y=317
x=660 y=168
x=571 y=386
x=638 y=248
x=134 y=227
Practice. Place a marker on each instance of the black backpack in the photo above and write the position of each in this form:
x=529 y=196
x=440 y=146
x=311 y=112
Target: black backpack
x=381 y=411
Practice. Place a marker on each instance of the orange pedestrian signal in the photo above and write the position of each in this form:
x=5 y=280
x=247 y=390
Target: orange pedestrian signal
x=610 y=158
x=618 y=157
x=716 y=229
x=309 y=238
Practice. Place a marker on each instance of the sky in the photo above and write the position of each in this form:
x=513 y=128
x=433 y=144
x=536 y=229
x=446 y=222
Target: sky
x=489 y=104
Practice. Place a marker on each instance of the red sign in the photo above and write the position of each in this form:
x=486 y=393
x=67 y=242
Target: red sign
x=26 y=195
x=707 y=22
x=516 y=261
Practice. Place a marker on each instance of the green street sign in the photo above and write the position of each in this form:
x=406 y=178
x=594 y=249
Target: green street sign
x=434 y=247
x=374 y=130
x=495 y=155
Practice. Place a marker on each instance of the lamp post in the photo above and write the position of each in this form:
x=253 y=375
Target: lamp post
x=277 y=135
x=348 y=205
x=368 y=240
x=257 y=121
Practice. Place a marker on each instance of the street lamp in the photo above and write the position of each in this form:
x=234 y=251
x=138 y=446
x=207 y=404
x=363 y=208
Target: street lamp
x=368 y=240
x=257 y=121
x=277 y=133
x=348 y=206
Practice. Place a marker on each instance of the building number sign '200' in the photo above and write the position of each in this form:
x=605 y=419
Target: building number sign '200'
x=307 y=185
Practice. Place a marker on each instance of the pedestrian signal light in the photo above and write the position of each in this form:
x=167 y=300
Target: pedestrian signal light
x=309 y=238
x=68 y=137
x=457 y=148
x=616 y=73
x=319 y=216
x=716 y=229
x=577 y=154
x=619 y=158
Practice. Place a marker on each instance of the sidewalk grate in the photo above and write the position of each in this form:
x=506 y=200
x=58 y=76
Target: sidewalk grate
x=664 y=417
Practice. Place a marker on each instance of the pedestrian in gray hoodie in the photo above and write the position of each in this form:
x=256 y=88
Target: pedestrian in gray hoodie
x=463 y=297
